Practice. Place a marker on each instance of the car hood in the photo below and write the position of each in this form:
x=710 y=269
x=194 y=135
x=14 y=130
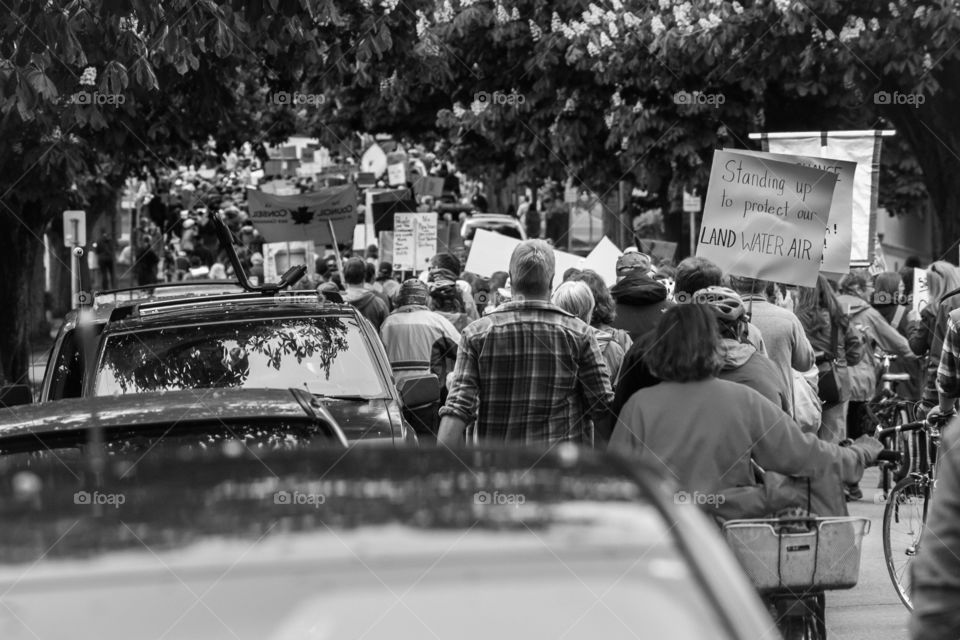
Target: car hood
x=390 y=582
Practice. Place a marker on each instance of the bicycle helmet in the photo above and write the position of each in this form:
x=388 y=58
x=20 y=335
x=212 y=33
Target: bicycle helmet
x=726 y=303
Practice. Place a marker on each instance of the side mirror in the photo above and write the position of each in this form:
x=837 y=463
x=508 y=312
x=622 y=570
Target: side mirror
x=13 y=395
x=419 y=391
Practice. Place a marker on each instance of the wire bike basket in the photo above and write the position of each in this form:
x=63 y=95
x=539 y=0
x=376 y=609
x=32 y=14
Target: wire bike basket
x=808 y=554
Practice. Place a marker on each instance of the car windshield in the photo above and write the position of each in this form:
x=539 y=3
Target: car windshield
x=326 y=356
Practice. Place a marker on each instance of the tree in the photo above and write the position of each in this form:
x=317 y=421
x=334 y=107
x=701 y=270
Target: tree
x=88 y=86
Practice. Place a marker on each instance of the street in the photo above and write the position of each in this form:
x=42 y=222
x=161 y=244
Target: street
x=871 y=610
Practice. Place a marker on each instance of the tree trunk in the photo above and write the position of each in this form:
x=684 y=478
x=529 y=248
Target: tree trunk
x=19 y=249
x=933 y=132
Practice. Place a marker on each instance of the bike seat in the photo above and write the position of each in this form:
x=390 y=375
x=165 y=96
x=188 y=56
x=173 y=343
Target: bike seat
x=896 y=377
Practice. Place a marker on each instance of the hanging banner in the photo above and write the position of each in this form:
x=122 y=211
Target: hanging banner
x=836 y=247
x=862 y=147
x=305 y=216
x=765 y=219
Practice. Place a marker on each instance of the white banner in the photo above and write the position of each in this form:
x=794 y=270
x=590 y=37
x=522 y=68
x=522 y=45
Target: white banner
x=490 y=252
x=865 y=151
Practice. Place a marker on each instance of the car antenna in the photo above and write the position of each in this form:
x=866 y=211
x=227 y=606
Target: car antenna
x=288 y=279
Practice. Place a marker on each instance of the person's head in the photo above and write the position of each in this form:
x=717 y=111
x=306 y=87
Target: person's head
x=913 y=262
x=354 y=272
x=256 y=259
x=570 y=274
x=412 y=292
x=949 y=274
x=371 y=273
x=218 y=272
x=385 y=271
x=812 y=301
x=935 y=289
x=372 y=252
x=632 y=261
x=532 y=267
x=686 y=344
x=498 y=280
x=887 y=288
x=857 y=283
x=727 y=305
x=752 y=286
x=444 y=292
x=906 y=280
x=604 y=306
x=695 y=273
x=323 y=271
x=446 y=261
x=575 y=298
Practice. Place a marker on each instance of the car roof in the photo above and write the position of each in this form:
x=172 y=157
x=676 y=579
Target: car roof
x=150 y=409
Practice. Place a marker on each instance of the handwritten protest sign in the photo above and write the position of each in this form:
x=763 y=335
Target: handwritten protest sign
x=414 y=240
x=837 y=243
x=766 y=219
x=921 y=290
x=305 y=216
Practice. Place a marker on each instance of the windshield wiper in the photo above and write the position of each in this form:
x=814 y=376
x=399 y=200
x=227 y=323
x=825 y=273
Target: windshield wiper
x=318 y=414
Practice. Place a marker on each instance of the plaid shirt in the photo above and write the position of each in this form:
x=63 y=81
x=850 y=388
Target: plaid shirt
x=948 y=374
x=531 y=373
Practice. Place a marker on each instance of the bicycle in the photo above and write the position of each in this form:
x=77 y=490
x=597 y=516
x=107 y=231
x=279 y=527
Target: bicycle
x=889 y=409
x=793 y=561
x=908 y=502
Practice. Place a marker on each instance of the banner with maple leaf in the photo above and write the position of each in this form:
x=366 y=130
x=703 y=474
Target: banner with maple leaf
x=305 y=216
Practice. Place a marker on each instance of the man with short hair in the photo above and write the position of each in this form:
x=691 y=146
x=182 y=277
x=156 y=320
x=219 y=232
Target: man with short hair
x=529 y=372
x=786 y=341
x=367 y=302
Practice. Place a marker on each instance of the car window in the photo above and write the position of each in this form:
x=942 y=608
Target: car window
x=67 y=374
x=326 y=356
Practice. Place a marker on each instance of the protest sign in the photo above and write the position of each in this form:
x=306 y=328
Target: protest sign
x=921 y=291
x=660 y=250
x=837 y=242
x=603 y=260
x=384 y=203
x=397 y=174
x=428 y=186
x=305 y=216
x=280 y=256
x=414 y=240
x=490 y=252
x=861 y=147
x=765 y=219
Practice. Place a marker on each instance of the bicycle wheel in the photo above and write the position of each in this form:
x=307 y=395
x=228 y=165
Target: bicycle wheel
x=903 y=520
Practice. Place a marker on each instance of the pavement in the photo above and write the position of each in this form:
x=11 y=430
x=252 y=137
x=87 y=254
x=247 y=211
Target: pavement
x=871 y=610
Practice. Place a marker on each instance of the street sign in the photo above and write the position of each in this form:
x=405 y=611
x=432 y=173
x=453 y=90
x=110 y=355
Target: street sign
x=74 y=228
x=691 y=203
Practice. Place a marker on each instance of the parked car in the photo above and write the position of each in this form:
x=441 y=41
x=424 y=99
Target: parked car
x=495 y=222
x=262 y=418
x=481 y=543
x=252 y=341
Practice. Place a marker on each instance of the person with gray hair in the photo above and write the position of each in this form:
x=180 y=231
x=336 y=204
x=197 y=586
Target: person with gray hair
x=576 y=298
x=529 y=372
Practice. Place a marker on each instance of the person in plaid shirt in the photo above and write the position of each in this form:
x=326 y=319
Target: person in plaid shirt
x=528 y=372
x=948 y=374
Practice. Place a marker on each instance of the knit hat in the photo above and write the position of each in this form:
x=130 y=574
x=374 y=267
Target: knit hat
x=413 y=291
x=632 y=261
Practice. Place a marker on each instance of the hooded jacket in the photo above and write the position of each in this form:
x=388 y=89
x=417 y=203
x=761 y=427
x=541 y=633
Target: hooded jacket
x=742 y=363
x=875 y=331
x=369 y=304
x=640 y=302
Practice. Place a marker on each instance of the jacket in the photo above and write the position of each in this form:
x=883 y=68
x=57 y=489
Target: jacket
x=369 y=304
x=742 y=363
x=911 y=389
x=641 y=301
x=875 y=332
x=847 y=352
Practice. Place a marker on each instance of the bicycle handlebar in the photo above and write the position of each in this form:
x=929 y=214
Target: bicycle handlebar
x=889 y=456
x=900 y=428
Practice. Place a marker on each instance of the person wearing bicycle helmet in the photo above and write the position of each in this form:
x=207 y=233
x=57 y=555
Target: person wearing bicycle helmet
x=741 y=361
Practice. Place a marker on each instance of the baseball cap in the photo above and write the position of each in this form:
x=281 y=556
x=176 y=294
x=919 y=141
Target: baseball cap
x=632 y=261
